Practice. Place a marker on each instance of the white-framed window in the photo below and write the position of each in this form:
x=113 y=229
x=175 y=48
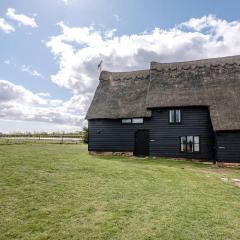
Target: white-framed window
x=183 y=144
x=175 y=116
x=190 y=144
x=132 y=121
x=171 y=116
x=137 y=120
x=178 y=116
x=126 y=121
x=196 y=144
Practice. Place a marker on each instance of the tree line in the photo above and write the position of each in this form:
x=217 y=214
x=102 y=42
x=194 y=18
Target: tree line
x=59 y=134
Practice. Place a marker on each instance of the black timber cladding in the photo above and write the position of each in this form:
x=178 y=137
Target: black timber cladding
x=111 y=135
x=228 y=146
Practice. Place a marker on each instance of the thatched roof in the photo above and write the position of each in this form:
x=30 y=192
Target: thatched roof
x=120 y=95
x=212 y=82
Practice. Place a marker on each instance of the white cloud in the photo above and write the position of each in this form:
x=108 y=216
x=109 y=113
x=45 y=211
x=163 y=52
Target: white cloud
x=66 y=2
x=7 y=62
x=116 y=16
x=44 y=94
x=24 y=68
x=18 y=103
x=21 y=18
x=110 y=34
x=10 y=92
x=199 y=24
x=5 y=26
x=78 y=50
x=30 y=71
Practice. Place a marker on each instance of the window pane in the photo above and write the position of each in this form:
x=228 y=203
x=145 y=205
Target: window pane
x=196 y=147
x=183 y=139
x=137 y=120
x=126 y=121
x=189 y=143
x=171 y=116
x=196 y=144
x=178 y=116
x=196 y=139
x=183 y=144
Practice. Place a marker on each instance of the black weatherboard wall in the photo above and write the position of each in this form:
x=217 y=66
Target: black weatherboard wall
x=228 y=146
x=113 y=136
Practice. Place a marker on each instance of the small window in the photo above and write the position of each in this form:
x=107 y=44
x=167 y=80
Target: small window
x=196 y=144
x=175 y=116
x=127 y=121
x=178 y=116
x=183 y=144
x=171 y=116
x=137 y=120
x=190 y=144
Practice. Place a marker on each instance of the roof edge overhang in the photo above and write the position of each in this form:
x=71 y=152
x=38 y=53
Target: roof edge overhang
x=228 y=131
x=106 y=75
x=177 y=106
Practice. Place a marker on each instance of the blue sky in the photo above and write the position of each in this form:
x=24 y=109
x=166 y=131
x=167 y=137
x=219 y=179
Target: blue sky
x=50 y=50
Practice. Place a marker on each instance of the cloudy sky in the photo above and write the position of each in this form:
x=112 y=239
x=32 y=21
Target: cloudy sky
x=50 y=50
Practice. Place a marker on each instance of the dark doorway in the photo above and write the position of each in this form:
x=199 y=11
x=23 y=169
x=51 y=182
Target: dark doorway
x=141 y=143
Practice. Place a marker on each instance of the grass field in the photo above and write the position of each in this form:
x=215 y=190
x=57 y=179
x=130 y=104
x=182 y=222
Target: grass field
x=54 y=191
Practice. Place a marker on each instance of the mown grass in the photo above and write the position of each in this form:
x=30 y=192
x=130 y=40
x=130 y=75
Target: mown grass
x=60 y=192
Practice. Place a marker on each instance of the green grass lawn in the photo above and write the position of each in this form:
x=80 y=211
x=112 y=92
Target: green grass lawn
x=54 y=191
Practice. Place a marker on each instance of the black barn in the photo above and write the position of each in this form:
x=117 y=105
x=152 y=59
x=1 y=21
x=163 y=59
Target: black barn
x=184 y=109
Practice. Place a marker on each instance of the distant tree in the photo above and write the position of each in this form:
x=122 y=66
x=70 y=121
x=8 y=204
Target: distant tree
x=85 y=134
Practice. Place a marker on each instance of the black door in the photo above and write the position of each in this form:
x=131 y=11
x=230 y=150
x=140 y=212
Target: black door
x=141 y=143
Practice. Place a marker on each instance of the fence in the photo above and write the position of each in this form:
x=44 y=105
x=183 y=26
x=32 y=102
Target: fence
x=40 y=139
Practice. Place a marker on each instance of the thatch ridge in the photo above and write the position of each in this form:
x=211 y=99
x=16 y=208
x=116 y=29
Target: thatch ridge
x=196 y=63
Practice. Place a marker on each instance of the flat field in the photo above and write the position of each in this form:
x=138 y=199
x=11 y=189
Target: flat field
x=58 y=191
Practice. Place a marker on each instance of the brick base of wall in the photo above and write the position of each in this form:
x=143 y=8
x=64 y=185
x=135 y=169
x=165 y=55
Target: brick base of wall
x=127 y=154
